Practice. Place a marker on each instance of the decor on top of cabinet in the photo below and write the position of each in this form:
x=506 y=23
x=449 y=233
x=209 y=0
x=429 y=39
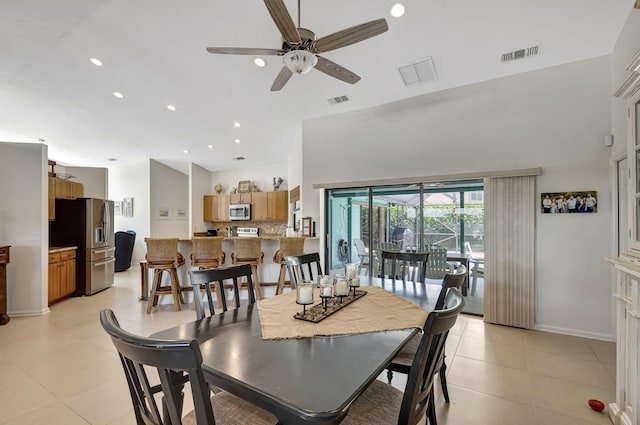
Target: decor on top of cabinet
x=244 y=186
x=218 y=188
x=277 y=182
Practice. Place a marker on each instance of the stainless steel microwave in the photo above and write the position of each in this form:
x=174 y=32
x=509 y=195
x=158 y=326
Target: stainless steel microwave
x=240 y=212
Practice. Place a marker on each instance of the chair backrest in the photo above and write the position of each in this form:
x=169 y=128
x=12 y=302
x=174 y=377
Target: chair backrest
x=289 y=246
x=207 y=251
x=389 y=246
x=360 y=248
x=247 y=249
x=437 y=265
x=210 y=277
x=426 y=362
x=408 y=260
x=176 y=362
x=453 y=279
x=162 y=252
x=295 y=267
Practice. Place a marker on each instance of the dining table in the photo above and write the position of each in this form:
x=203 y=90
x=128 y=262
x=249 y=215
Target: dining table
x=308 y=380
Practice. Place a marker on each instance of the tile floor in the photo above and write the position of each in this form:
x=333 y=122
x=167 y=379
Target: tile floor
x=62 y=369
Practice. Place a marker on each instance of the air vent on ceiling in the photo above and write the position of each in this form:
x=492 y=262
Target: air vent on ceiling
x=338 y=99
x=418 y=72
x=239 y=158
x=520 y=54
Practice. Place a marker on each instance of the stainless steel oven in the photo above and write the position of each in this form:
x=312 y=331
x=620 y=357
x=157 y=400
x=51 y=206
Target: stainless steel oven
x=239 y=212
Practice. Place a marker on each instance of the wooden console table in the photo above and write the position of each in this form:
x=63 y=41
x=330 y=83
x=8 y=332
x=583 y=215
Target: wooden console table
x=4 y=260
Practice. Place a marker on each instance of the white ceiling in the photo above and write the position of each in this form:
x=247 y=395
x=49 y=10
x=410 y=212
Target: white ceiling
x=154 y=52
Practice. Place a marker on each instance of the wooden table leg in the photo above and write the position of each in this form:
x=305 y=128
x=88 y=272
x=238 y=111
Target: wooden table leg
x=4 y=319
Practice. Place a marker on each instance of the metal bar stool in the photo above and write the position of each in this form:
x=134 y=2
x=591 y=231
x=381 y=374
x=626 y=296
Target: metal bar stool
x=207 y=253
x=288 y=247
x=162 y=255
x=249 y=251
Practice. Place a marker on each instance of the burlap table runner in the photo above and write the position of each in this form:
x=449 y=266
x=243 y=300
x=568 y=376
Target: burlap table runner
x=379 y=310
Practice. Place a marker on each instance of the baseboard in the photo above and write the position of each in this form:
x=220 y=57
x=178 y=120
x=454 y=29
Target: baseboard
x=28 y=313
x=575 y=332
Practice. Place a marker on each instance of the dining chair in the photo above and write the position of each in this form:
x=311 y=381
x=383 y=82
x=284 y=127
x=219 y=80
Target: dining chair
x=174 y=363
x=437 y=266
x=402 y=362
x=221 y=277
x=407 y=260
x=288 y=246
x=383 y=404
x=295 y=266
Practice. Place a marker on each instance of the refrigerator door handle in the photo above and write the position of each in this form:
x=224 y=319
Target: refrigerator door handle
x=102 y=263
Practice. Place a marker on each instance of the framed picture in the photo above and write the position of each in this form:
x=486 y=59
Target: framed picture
x=127 y=207
x=182 y=213
x=163 y=213
x=585 y=201
x=244 y=186
x=117 y=207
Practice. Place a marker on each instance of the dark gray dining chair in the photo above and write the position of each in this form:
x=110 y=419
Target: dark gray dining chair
x=383 y=404
x=402 y=362
x=296 y=267
x=406 y=260
x=221 y=276
x=174 y=363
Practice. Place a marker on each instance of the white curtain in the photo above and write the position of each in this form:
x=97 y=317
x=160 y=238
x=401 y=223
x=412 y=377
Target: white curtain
x=510 y=211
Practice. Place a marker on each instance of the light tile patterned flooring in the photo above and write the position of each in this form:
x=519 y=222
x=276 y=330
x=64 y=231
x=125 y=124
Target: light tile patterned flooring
x=62 y=369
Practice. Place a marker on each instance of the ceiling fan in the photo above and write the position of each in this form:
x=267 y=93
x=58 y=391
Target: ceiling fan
x=300 y=47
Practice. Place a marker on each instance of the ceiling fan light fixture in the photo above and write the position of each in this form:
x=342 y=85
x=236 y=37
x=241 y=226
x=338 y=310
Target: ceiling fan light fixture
x=300 y=61
x=260 y=63
x=397 y=10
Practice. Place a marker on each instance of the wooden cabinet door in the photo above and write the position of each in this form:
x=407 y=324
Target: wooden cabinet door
x=209 y=207
x=52 y=198
x=241 y=198
x=278 y=206
x=223 y=207
x=54 y=277
x=67 y=277
x=77 y=190
x=260 y=206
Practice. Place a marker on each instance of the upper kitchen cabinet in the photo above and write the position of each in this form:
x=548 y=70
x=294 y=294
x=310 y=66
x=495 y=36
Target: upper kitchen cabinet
x=62 y=189
x=241 y=198
x=269 y=206
x=216 y=207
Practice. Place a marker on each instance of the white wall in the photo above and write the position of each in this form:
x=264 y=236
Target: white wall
x=133 y=181
x=295 y=167
x=199 y=186
x=24 y=225
x=554 y=118
x=94 y=180
x=169 y=188
x=262 y=176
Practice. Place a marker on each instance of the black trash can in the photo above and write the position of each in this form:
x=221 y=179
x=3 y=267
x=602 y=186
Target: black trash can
x=124 y=249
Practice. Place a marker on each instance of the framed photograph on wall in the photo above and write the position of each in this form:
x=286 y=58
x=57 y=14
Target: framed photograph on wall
x=163 y=213
x=117 y=208
x=127 y=207
x=585 y=201
x=182 y=213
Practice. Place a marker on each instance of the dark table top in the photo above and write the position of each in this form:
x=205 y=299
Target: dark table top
x=310 y=380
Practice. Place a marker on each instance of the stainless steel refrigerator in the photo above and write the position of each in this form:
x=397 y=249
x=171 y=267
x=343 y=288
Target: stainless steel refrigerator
x=88 y=224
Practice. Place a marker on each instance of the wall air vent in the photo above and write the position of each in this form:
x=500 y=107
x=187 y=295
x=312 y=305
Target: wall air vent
x=520 y=54
x=239 y=158
x=338 y=99
x=418 y=72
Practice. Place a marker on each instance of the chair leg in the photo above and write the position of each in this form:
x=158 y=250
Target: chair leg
x=175 y=289
x=256 y=283
x=281 y=278
x=153 y=298
x=443 y=381
x=473 y=283
x=389 y=375
x=431 y=409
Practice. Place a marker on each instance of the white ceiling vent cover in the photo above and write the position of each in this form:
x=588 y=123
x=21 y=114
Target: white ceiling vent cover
x=520 y=54
x=338 y=99
x=418 y=72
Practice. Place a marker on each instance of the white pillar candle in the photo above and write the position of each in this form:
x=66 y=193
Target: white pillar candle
x=355 y=281
x=342 y=288
x=326 y=291
x=324 y=280
x=350 y=270
x=305 y=295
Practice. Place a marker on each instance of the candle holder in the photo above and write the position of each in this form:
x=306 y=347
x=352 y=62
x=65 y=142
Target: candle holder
x=304 y=295
x=350 y=270
x=341 y=286
x=326 y=290
x=354 y=283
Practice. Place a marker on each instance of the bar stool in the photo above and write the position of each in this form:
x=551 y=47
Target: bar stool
x=163 y=256
x=248 y=251
x=288 y=246
x=207 y=253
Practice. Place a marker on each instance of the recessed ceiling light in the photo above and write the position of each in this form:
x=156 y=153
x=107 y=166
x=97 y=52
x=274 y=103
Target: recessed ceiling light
x=41 y=140
x=210 y=146
x=118 y=95
x=237 y=140
x=112 y=159
x=171 y=107
x=397 y=10
x=95 y=61
x=185 y=151
x=260 y=62
x=236 y=124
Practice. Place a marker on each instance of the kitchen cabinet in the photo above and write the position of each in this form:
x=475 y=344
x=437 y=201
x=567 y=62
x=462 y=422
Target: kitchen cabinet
x=52 y=198
x=66 y=189
x=216 y=207
x=270 y=206
x=241 y=198
x=62 y=275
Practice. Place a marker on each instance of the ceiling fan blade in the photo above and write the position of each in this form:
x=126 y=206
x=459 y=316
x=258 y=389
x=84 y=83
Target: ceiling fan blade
x=351 y=35
x=281 y=79
x=245 y=51
x=283 y=20
x=336 y=71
